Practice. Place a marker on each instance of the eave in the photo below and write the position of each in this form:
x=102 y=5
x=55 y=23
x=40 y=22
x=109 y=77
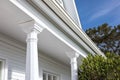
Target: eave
x=72 y=31
x=63 y=15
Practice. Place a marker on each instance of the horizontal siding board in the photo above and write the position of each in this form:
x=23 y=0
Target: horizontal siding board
x=16 y=63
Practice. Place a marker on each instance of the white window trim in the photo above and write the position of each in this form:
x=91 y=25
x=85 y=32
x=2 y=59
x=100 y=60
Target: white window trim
x=4 y=69
x=52 y=73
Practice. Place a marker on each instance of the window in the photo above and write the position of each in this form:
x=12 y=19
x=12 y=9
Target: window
x=60 y=3
x=50 y=76
x=2 y=74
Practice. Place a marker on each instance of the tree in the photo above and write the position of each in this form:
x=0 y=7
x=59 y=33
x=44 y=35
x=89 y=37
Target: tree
x=100 y=68
x=106 y=37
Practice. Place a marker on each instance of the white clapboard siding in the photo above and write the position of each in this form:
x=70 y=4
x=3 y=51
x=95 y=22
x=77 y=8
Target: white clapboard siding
x=14 y=53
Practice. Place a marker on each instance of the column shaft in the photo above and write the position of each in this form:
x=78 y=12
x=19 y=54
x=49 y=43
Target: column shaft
x=32 y=71
x=74 y=69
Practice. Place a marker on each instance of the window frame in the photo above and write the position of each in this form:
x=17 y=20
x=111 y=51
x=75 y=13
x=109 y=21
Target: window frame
x=4 y=70
x=52 y=75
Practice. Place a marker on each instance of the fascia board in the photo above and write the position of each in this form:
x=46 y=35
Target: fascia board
x=67 y=19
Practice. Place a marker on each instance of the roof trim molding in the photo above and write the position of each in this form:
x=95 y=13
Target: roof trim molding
x=60 y=12
x=68 y=20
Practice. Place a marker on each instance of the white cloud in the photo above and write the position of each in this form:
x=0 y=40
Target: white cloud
x=105 y=9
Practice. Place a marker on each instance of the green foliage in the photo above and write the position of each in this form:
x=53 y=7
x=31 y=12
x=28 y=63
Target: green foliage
x=100 y=68
x=107 y=38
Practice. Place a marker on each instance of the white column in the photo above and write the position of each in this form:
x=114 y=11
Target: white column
x=32 y=29
x=32 y=72
x=73 y=61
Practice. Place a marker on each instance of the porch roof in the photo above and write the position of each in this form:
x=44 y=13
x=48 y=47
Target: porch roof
x=49 y=44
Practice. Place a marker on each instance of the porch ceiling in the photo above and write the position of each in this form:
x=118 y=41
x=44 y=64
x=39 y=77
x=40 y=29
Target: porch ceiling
x=11 y=17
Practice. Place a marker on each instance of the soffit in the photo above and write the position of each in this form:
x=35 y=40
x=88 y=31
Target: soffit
x=11 y=17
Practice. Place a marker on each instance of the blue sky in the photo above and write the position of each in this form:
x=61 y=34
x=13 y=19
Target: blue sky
x=96 y=12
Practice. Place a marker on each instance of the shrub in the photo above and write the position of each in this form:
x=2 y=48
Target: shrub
x=100 y=68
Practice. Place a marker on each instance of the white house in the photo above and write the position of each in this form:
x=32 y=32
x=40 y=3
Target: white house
x=41 y=40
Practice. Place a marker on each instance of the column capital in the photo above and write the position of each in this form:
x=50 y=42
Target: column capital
x=73 y=61
x=30 y=26
x=72 y=54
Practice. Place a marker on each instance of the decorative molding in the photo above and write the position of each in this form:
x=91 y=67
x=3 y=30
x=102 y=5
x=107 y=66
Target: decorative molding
x=60 y=2
x=28 y=26
x=72 y=54
x=60 y=12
